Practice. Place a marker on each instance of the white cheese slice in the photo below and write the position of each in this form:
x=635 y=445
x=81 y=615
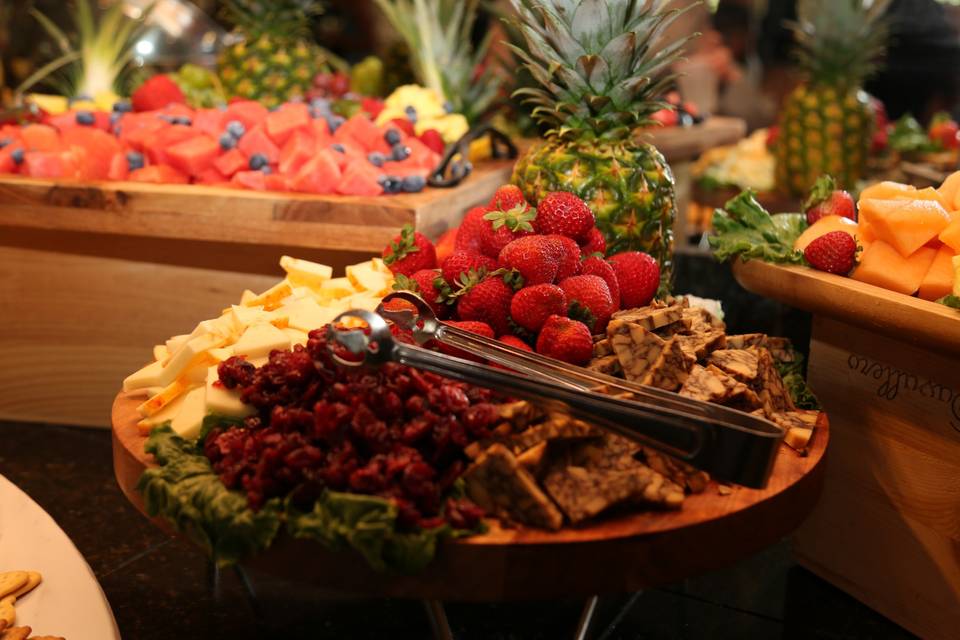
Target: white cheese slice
x=246 y=296
x=158 y=401
x=160 y=352
x=259 y=340
x=169 y=412
x=225 y=326
x=363 y=300
x=243 y=317
x=222 y=401
x=174 y=343
x=338 y=288
x=296 y=336
x=148 y=376
x=221 y=353
x=271 y=298
x=189 y=418
x=305 y=272
x=307 y=315
x=365 y=277
x=191 y=354
x=380 y=266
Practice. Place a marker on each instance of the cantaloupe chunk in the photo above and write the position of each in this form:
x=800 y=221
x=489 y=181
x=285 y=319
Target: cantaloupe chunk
x=906 y=225
x=928 y=193
x=887 y=190
x=950 y=190
x=883 y=266
x=825 y=225
x=938 y=281
x=956 y=275
x=950 y=235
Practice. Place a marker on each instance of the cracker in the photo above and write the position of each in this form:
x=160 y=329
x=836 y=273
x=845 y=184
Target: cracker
x=33 y=579
x=16 y=633
x=7 y=613
x=11 y=581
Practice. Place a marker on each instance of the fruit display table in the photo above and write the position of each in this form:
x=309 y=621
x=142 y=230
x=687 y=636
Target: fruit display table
x=884 y=366
x=95 y=273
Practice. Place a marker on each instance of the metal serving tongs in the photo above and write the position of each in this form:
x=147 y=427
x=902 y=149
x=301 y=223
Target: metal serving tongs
x=739 y=448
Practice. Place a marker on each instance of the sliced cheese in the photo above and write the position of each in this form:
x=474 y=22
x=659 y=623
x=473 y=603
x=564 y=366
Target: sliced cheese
x=243 y=317
x=222 y=401
x=296 y=336
x=168 y=413
x=366 y=277
x=191 y=354
x=305 y=272
x=306 y=315
x=364 y=300
x=148 y=376
x=155 y=403
x=337 y=288
x=189 y=418
x=246 y=296
x=270 y=299
x=174 y=343
x=160 y=352
x=225 y=326
x=259 y=340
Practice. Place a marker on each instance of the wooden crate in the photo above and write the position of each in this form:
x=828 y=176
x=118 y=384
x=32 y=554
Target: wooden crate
x=885 y=366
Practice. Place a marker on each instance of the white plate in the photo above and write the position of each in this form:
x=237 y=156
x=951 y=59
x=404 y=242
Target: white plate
x=69 y=602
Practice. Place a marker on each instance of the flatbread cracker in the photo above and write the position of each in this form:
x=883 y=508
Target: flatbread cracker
x=16 y=633
x=11 y=581
x=7 y=613
x=33 y=579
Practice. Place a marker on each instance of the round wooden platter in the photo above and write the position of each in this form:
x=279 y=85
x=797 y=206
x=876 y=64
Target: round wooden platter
x=617 y=554
x=893 y=314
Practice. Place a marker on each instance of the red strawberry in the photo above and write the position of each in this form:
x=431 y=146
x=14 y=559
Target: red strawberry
x=565 y=339
x=433 y=140
x=589 y=299
x=410 y=252
x=531 y=306
x=507 y=197
x=404 y=125
x=422 y=283
x=472 y=227
x=638 y=275
x=569 y=258
x=826 y=200
x=773 y=134
x=464 y=262
x=594 y=242
x=514 y=342
x=833 y=252
x=565 y=214
x=489 y=302
x=667 y=117
x=479 y=328
x=504 y=227
x=156 y=93
x=597 y=266
x=537 y=258
x=944 y=130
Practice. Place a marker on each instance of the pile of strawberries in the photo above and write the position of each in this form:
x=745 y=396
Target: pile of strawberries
x=532 y=275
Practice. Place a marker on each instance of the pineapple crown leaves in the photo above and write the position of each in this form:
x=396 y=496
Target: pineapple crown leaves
x=283 y=19
x=519 y=218
x=839 y=42
x=820 y=191
x=599 y=63
x=404 y=246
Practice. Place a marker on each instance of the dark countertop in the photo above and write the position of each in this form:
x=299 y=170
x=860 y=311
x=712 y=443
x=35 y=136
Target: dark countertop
x=161 y=587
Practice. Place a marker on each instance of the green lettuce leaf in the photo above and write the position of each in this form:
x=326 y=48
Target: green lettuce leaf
x=950 y=301
x=908 y=136
x=185 y=491
x=796 y=384
x=744 y=228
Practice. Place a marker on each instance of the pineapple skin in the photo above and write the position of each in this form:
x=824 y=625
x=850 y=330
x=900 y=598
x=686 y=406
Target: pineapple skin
x=626 y=183
x=267 y=70
x=823 y=130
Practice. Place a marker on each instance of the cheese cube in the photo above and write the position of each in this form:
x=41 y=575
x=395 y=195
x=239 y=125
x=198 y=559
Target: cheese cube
x=380 y=266
x=307 y=315
x=259 y=340
x=189 y=418
x=338 y=288
x=221 y=353
x=296 y=336
x=246 y=296
x=258 y=362
x=243 y=317
x=166 y=414
x=222 y=401
x=365 y=277
x=364 y=300
x=271 y=298
x=191 y=354
x=160 y=352
x=174 y=343
x=224 y=326
x=148 y=376
x=304 y=272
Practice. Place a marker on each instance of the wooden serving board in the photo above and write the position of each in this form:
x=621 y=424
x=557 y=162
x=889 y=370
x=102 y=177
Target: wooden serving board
x=623 y=553
x=687 y=143
x=874 y=309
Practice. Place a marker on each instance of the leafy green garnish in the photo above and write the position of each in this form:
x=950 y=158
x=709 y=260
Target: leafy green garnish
x=908 y=136
x=950 y=301
x=744 y=228
x=185 y=490
x=796 y=384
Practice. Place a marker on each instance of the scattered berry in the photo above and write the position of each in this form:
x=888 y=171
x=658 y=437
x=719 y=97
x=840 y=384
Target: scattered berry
x=336 y=146
x=135 y=160
x=462 y=261
x=17 y=156
x=411 y=113
x=410 y=252
x=85 y=118
x=227 y=141
x=488 y=301
x=413 y=184
x=334 y=122
x=638 y=275
x=392 y=136
x=594 y=242
x=448 y=107
x=390 y=184
x=826 y=200
x=565 y=214
x=183 y=120
x=566 y=340
x=376 y=158
x=536 y=258
x=507 y=197
x=597 y=266
x=589 y=300
x=236 y=129
x=399 y=152
x=472 y=227
x=531 y=306
x=258 y=161
x=833 y=252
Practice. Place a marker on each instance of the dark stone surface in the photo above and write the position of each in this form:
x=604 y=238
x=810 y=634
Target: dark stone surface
x=162 y=588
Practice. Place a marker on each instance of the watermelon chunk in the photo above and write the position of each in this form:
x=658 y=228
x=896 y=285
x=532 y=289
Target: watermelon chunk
x=249 y=112
x=155 y=145
x=209 y=121
x=295 y=153
x=256 y=180
x=257 y=141
x=277 y=182
x=421 y=155
x=320 y=174
x=159 y=174
x=99 y=148
x=119 y=167
x=282 y=123
x=402 y=169
x=49 y=164
x=7 y=165
x=195 y=155
x=231 y=162
x=361 y=130
x=39 y=137
x=210 y=176
x=360 y=179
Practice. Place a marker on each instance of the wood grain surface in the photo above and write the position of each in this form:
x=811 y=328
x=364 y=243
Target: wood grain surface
x=877 y=310
x=687 y=143
x=622 y=553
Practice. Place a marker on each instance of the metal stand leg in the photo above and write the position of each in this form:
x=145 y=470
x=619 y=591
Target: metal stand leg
x=621 y=615
x=584 y=625
x=213 y=576
x=438 y=620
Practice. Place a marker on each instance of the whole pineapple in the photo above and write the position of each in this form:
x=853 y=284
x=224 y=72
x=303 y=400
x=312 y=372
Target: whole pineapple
x=826 y=123
x=600 y=64
x=275 y=59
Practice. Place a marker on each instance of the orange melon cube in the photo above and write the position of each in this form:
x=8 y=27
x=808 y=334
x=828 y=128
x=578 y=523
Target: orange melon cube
x=825 y=225
x=928 y=193
x=950 y=190
x=938 y=281
x=887 y=190
x=906 y=225
x=882 y=265
x=950 y=235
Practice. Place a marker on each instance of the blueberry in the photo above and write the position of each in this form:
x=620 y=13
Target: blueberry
x=227 y=141
x=400 y=152
x=390 y=184
x=376 y=158
x=411 y=113
x=166 y=118
x=115 y=117
x=236 y=128
x=135 y=160
x=184 y=120
x=413 y=184
x=122 y=106
x=85 y=118
x=258 y=161
x=392 y=136
x=4 y=142
x=336 y=146
x=17 y=156
x=266 y=169
x=448 y=106
x=334 y=122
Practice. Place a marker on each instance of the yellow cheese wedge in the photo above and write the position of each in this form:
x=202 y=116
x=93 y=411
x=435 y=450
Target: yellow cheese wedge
x=259 y=340
x=156 y=403
x=305 y=272
x=168 y=413
x=270 y=299
x=160 y=352
x=306 y=315
x=247 y=296
x=222 y=401
x=190 y=354
x=189 y=418
x=173 y=344
x=148 y=376
x=296 y=336
x=366 y=277
x=337 y=288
